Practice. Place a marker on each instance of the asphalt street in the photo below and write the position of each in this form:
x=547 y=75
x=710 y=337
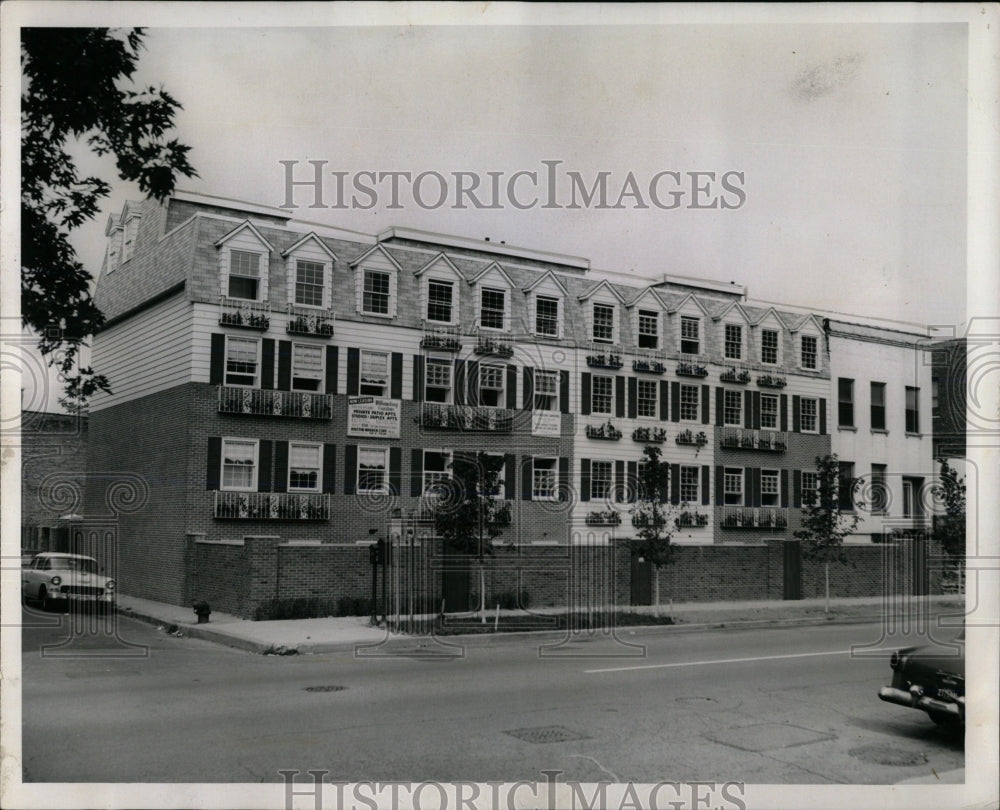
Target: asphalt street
x=781 y=706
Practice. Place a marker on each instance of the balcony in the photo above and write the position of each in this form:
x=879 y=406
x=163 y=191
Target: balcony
x=309 y=321
x=686 y=369
x=761 y=517
x=649 y=435
x=495 y=345
x=735 y=375
x=500 y=514
x=441 y=338
x=271 y=506
x=771 y=381
x=607 y=432
x=466 y=417
x=692 y=439
x=265 y=402
x=691 y=520
x=604 y=360
x=649 y=366
x=769 y=441
x=608 y=518
x=244 y=313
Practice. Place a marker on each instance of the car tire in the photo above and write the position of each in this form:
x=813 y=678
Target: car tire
x=43 y=599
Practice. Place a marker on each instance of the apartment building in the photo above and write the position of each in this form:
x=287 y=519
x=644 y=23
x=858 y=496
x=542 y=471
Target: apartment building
x=289 y=392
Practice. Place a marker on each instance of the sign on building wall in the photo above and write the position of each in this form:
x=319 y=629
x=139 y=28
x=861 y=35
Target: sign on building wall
x=546 y=423
x=373 y=416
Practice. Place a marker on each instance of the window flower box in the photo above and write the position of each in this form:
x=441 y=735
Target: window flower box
x=732 y=375
x=612 y=361
x=771 y=381
x=445 y=343
x=691 y=370
x=648 y=434
x=609 y=518
x=649 y=366
x=496 y=346
x=692 y=519
x=691 y=438
x=607 y=431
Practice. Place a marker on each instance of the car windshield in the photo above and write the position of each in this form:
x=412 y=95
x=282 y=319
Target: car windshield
x=82 y=564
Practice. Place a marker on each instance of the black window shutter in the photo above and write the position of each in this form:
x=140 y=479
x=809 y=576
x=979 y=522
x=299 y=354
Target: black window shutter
x=526 y=467
x=472 y=388
x=218 y=360
x=749 y=487
x=509 y=474
x=332 y=368
x=281 y=466
x=705 y=418
x=284 y=365
x=822 y=416
x=264 y=466
x=748 y=409
x=619 y=396
x=584 y=479
x=396 y=470
x=675 y=483
x=527 y=387
x=563 y=484
x=585 y=394
x=511 y=387
x=619 y=481
x=633 y=397
x=756 y=410
x=633 y=481
x=675 y=401
x=214 y=472
x=416 y=472
x=784 y=488
x=350 y=469
x=418 y=378
x=353 y=371
x=795 y=414
x=796 y=488
x=459 y=397
x=329 y=467
x=784 y=411
x=664 y=400
x=267 y=363
x=396 y=376
x=720 y=497
x=564 y=391
x=719 y=404
x=706 y=484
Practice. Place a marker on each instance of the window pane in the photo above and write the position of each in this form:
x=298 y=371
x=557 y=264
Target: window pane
x=238 y=464
x=491 y=314
x=309 y=283
x=371 y=469
x=845 y=394
x=375 y=295
x=733 y=407
x=689 y=335
x=547 y=316
x=769 y=411
x=769 y=346
x=543 y=478
x=647 y=398
x=733 y=486
x=600 y=479
x=604 y=323
x=689 y=484
x=808 y=351
x=689 y=403
x=878 y=406
x=303 y=466
x=734 y=341
x=649 y=329
x=241 y=361
x=601 y=394
x=244 y=272
x=439 y=301
x=808 y=415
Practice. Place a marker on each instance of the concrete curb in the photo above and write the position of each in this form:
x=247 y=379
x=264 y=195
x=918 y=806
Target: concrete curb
x=194 y=631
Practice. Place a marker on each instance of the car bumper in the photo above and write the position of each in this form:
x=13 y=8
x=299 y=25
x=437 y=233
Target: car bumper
x=914 y=699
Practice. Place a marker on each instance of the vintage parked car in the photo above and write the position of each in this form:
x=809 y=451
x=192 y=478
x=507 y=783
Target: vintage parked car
x=931 y=679
x=53 y=579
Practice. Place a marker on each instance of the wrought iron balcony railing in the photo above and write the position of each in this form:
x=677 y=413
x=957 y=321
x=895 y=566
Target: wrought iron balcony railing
x=244 y=313
x=771 y=441
x=271 y=506
x=496 y=345
x=266 y=402
x=466 y=417
x=441 y=338
x=754 y=517
x=309 y=321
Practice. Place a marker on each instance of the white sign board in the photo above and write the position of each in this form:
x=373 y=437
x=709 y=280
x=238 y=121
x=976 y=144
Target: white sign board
x=373 y=416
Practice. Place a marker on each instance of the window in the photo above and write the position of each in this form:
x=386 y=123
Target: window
x=769 y=411
x=491 y=386
x=437 y=464
x=807 y=415
x=911 y=497
x=732 y=410
x=498 y=490
x=439 y=298
x=437 y=381
x=810 y=488
x=492 y=309
x=845 y=485
x=239 y=464
x=689 y=403
x=309 y=283
x=242 y=355
x=734 y=341
x=374 y=374
x=303 y=467
x=935 y=398
x=371 y=469
x=375 y=293
x=769 y=346
x=649 y=329
x=878 y=406
x=880 y=491
x=808 y=351
x=546 y=390
x=602 y=394
x=845 y=402
x=543 y=478
x=690 y=477
x=128 y=244
x=600 y=479
x=244 y=275
x=604 y=323
x=769 y=488
x=547 y=316
x=307 y=367
x=912 y=412
x=647 y=398
x=690 y=341
x=732 y=480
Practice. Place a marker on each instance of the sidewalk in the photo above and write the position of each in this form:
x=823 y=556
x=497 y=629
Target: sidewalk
x=334 y=634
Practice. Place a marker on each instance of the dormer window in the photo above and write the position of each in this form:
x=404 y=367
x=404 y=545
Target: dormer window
x=769 y=346
x=809 y=353
x=547 y=316
x=440 y=296
x=128 y=240
x=648 y=336
x=493 y=308
x=690 y=335
x=375 y=296
x=244 y=275
x=604 y=323
x=733 y=341
x=309 y=283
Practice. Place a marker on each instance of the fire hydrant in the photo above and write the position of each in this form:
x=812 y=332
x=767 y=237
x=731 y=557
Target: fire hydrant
x=202 y=611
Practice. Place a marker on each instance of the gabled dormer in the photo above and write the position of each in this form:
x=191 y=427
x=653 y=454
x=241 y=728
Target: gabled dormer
x=309 y=273
x=546 y=299
x=492 y=290
x=808 y=338
x=113 y=255
x=602 y=313
x=376 y=283
x=690 y=321
x=440 y=291
x=130 y=230
x=769 y=332
x=244 y=256
x=648 y=321
x=733 y=334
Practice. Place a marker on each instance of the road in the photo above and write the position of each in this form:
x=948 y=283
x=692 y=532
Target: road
x=779 y=706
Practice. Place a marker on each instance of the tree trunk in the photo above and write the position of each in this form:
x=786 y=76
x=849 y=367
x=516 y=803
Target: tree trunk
x=656 y=590
x=482 y=592
x=826 y=571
